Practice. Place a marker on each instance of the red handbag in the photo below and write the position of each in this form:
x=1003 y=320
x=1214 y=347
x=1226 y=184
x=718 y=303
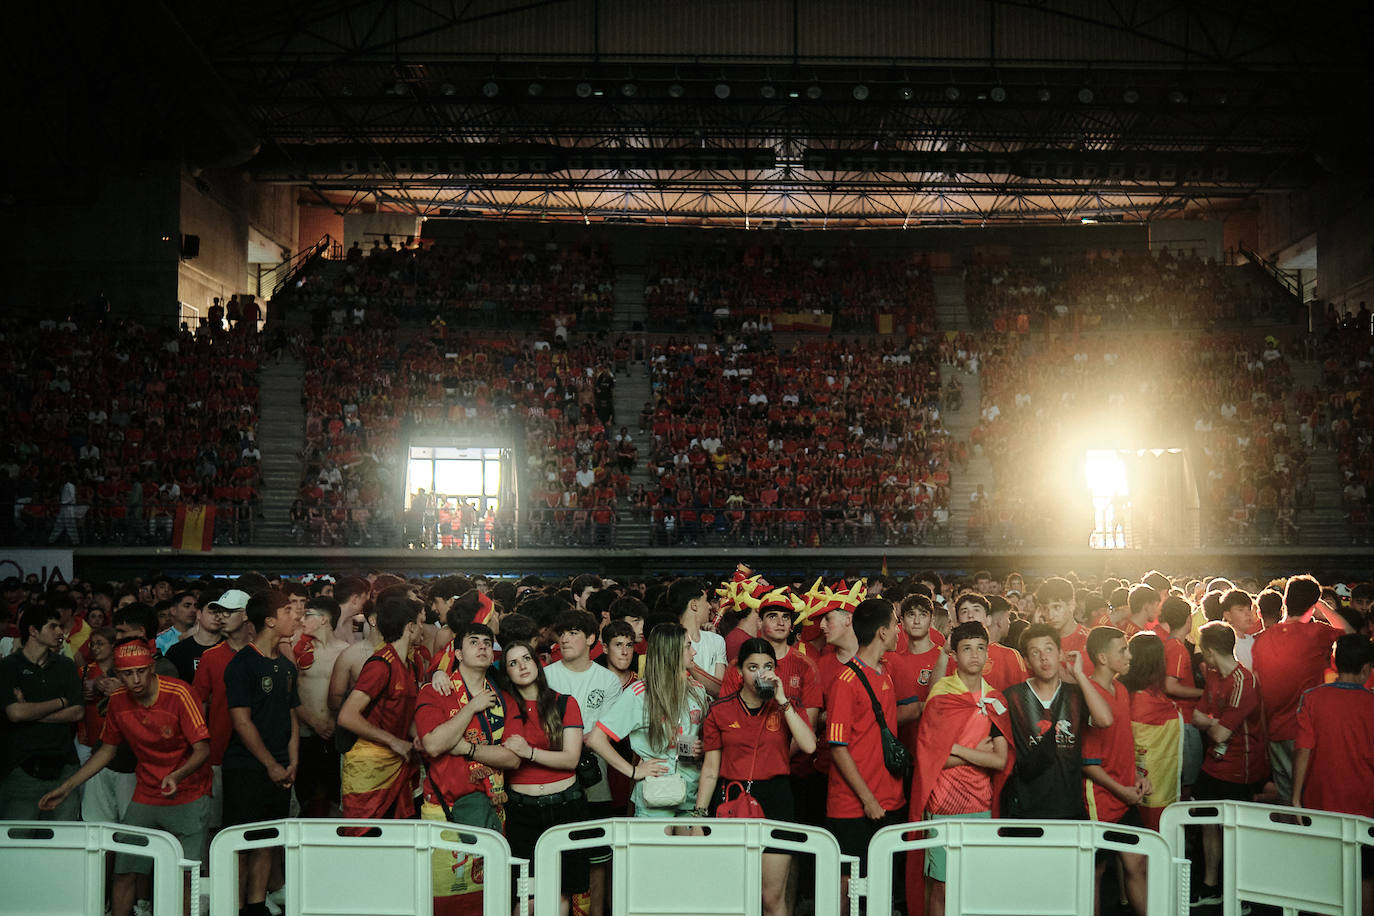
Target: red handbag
x=742 y=805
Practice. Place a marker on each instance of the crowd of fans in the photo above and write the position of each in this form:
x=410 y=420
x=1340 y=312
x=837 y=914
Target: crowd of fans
x=1226 y=396
x=112 y=426
x=824 y=442
x=159 y=706
x=1109 y=289
x=476 y=281
x=746 y=287
x=1338 y=414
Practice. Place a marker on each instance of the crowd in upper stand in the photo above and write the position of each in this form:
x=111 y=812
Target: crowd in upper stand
x=496 y=281
x=1083 y=291
x=823 y=442
x=727 y=286
x=111 y=426
x=1225 y=395
x=1339 y=413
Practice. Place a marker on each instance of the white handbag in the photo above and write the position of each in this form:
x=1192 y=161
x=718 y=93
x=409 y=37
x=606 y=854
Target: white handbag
x=666 y=791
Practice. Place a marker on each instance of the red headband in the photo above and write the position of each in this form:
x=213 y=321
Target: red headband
x=133 y=655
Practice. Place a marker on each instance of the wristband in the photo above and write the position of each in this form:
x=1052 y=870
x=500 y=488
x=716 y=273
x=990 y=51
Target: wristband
x=531 y=755
x=785 y=706
x=634 y=768
x=64 y=702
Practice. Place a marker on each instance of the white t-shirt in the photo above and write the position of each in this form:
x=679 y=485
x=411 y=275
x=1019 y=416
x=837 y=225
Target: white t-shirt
x=710 y=651
x=595 y=690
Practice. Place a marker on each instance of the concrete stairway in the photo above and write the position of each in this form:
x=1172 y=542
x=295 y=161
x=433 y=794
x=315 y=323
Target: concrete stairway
x=281 y=436
x=963 y=483
x=1324 y=522
x=951 y=313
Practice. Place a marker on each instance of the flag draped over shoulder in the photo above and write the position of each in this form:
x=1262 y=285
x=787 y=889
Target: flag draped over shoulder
x=1157 y=726
x=377 y=783
x=194 y=528
x=947 y=711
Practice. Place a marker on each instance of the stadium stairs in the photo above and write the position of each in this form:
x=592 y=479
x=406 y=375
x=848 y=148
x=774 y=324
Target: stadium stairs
x=281 y=437
x=632 y=387
x=963 y=483
x=1324 y=522
x=951 y=312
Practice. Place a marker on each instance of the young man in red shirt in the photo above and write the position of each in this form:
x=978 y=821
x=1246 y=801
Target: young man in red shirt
x=1237 y=760
x=1004 y=666
x=1290 y=657
x=160 y=719
x=1180 y=685
x=377 y=777
x=460 y=733
x=916 y=669
x=1333 y=769
x=1056 y=596
x=1144 y=603
x=862 y=795
x=1112 y=784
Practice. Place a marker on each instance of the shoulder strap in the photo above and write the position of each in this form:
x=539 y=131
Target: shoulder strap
x=877 y=707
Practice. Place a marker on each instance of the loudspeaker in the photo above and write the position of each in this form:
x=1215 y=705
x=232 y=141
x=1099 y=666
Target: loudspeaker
x=190 y=247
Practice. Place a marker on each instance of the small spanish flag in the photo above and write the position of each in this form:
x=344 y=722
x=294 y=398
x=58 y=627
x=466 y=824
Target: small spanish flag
x=194 y=528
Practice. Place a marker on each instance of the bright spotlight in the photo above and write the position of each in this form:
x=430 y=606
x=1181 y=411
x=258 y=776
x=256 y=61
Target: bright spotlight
x=1105 y=474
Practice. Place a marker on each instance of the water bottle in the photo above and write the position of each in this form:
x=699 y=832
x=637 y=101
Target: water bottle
x=1220 y=750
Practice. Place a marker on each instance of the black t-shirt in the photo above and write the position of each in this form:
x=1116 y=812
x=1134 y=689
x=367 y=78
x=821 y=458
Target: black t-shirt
x=1047 y=779
x=185 y=655
x=56 y=677
x=267 y=687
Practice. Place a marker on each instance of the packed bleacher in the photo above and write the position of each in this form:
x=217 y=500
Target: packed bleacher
x=114 y=428
x=842 y=289
x=827 y=442
x=478 y=280
x=1160 y=689
x=1338 y=416
x=1074 y=291
x=1226 y=397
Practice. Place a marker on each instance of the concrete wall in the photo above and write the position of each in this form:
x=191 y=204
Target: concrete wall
x=364 y=228
x=314 y=220
x=121 y=243
x=1201 y=238
x=224 y=208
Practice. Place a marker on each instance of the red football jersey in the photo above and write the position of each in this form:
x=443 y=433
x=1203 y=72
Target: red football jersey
x=209 y=687
x=752 y=745
x=1290 y=658
x=160 y=736
x=1077 y=641
x=850 y=722
x=1235 y=701
x=390 y=685
x=800 y=680
x=452 y=773
x=1178 y=662
x=1004 y=667
x=1336 y=721
x=1113 y=749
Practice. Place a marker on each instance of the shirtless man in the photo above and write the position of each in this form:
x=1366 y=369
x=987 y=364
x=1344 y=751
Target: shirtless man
x=316 y=649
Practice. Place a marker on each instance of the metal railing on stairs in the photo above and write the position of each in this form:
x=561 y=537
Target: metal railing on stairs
x=282 y=274
x=1288 y=279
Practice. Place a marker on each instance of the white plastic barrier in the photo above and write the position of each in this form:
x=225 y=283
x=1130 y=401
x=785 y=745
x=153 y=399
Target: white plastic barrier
x=1294 y=858
x=1029 y=868
x=654 y=873
x=58 y=867
x=384 y=872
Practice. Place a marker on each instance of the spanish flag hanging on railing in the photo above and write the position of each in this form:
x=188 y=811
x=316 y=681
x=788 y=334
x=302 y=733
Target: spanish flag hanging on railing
x=194 y=528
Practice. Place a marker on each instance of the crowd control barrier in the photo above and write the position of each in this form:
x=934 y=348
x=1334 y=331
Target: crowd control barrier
x=375 y=867
x=1294 y=858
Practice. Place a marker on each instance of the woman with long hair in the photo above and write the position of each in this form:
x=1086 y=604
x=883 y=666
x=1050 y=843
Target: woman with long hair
x=661 y=714
x=748 y=737
x=543 y=790
x=1156 y=724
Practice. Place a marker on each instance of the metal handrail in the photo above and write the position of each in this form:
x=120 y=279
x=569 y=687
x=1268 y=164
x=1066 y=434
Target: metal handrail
x=282 y=274
x=1286 y=278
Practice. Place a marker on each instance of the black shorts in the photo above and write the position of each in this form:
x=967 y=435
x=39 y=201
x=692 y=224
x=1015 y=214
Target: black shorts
x=808 y=799
x=317 y=773
x=250 y=797
x=527 y=817
x=598 y=811
x=774 y=796
x=854 y=833
x=1209 y=788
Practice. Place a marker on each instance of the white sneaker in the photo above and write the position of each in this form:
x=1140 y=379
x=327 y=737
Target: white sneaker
x=276 y=901
x=143 y=908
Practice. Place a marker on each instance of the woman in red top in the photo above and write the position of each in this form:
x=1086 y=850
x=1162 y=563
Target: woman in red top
x=98 y=681
x=748 y=738
x=544 y=791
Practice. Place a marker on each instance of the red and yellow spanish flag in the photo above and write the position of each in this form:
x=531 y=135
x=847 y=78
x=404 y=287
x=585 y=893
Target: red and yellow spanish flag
x=377 y=783
x=194 y=528
x=1157 y=726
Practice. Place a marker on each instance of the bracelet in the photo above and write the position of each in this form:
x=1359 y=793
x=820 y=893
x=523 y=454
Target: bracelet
x=64 y=703
x=634 y=768
x=698 y=812
x=531 y=755
x=785 y=706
